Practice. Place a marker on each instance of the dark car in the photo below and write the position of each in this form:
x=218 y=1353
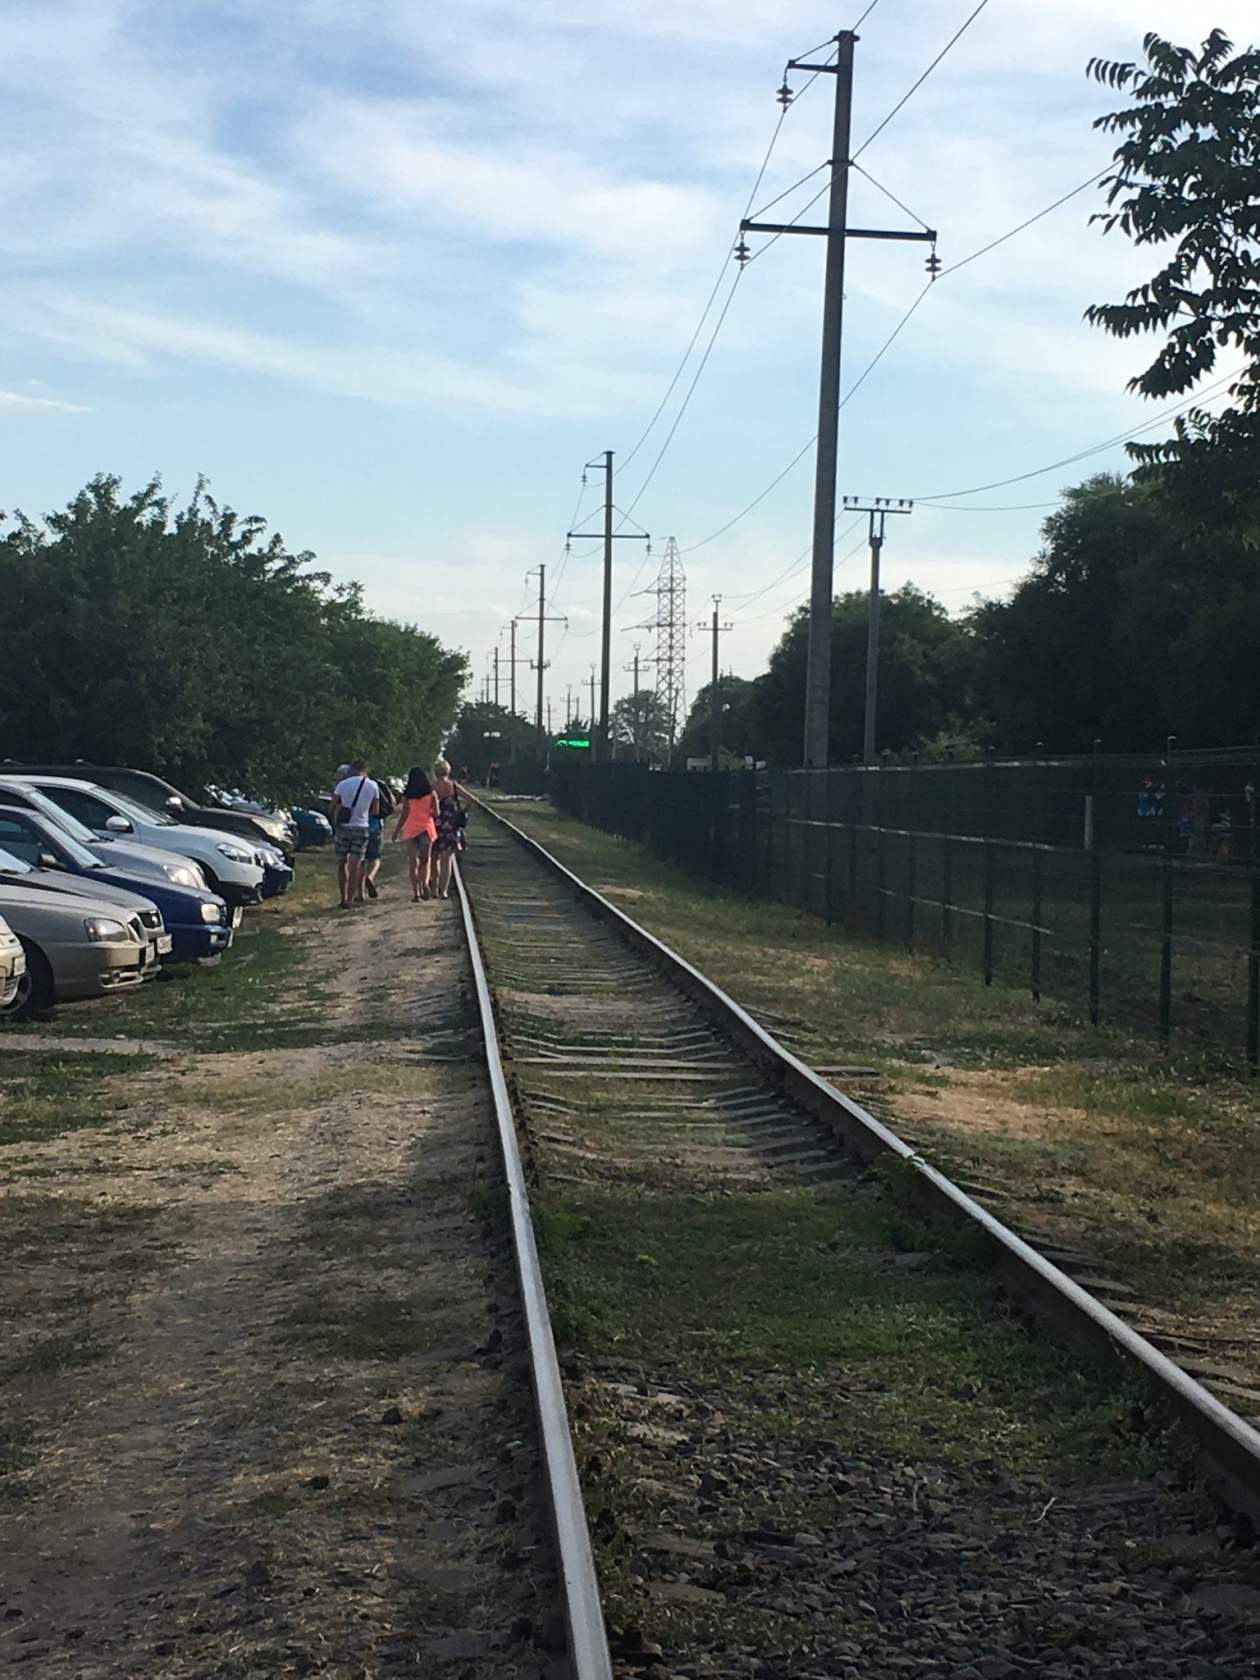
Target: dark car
x=268 y=828
x=199 y=923
x=313 y=827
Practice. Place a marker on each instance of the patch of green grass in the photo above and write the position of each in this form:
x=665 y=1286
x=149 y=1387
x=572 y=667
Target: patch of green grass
x=44 y=1093
x=730 y=1286
x=260 y=977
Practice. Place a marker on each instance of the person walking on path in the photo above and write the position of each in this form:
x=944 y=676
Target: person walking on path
x=450 y=829
x=376 y=839
x=355 y=801
x=417 y=826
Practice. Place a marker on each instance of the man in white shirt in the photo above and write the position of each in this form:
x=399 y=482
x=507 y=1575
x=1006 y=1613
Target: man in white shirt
x=355 y=799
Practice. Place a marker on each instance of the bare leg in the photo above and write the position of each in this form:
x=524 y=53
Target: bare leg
x=445 y=864
x=355 y=880
x=343 y=878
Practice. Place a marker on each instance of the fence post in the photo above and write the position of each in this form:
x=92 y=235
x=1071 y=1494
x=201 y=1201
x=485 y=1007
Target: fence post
x=1040 y=803
x=1253 y=974
x=911 y=887
x=986 y=796
x=880 y=858
x=857 y=808
x=829 y=782
x=1166 y=882
x=1095 y=893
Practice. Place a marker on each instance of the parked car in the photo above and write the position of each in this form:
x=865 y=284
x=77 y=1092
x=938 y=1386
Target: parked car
x=232 y=868
x=266 y=828
x=75 y=947
x=15 y=871
x=313 y=827
x=199 y=923
x=129 y=855
x=12 y=964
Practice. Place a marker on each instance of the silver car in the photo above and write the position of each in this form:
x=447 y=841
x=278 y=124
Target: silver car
x=12 y=964
x=16 y=872
x=76 y=947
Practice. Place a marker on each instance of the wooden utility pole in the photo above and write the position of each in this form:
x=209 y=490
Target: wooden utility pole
x=513 y=662
x=877 y=510
x=715 y=629
x=592 y=680
x=837 y=233
x=599 y=737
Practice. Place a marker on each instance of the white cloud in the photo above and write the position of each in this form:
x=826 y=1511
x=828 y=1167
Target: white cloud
x=23 y=399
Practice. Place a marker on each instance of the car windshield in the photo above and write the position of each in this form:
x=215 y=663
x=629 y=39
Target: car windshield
x=138 y=813
x=79 y=854
x=10 y=865
x=61 y=819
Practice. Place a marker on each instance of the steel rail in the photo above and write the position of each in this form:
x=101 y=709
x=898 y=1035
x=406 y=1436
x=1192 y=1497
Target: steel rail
x=583 y=1613
x=1229 y=1445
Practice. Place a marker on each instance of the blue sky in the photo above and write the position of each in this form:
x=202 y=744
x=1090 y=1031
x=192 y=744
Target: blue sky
x=390 y=273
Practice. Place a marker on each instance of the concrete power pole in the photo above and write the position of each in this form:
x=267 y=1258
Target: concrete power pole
x=544 y=619
x=496 y=673
x=837 y=233
x=716 y=630
x=876 y=510
x=513 y=662
x=592 y=681
x=599 y=737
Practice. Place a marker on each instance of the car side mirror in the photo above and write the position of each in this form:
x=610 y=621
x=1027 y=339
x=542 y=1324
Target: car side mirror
x=174 y=803
x=117 y=825
x=48 y=860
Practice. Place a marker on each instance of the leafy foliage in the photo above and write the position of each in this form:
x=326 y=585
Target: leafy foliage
x=924 y=677
x=485 y=734
x=640 y=723
x=1186 y=172
x=189 y=642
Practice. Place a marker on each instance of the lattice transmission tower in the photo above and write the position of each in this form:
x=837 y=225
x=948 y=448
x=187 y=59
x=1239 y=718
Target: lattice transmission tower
x=670 y=626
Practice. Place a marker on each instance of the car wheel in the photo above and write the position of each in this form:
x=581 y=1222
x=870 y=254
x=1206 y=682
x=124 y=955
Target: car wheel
x=35 y=992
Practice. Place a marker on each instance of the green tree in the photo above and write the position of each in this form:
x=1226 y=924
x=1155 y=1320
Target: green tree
x=640 y=726
x=740 y=722
x=925 y=677
x=1186 y=172
x=485 y=734
x=192 y=643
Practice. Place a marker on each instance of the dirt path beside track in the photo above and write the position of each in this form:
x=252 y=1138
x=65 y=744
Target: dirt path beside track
x=264 y=1409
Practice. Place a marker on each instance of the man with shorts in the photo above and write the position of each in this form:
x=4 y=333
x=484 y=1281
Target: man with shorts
x=355 y=801
x=376 y=839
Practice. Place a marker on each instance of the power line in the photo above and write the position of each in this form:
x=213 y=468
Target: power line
x=915 y=86
x=865 y=15
x=753 y=617
x=994 y=243
x=1082 y=454
x=886 y=346
x=755 y=595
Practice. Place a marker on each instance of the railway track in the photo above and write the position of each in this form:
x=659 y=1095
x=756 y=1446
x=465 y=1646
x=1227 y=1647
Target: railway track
x=610 y=1056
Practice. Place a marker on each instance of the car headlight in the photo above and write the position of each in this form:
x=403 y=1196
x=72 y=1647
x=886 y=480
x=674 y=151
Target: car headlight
x=234 y=854
x=181 y=875
x=108 y=932
x=271 y=857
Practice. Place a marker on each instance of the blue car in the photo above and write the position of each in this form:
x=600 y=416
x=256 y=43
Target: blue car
x=313 y=827
x=199 y=923
x=277 y=874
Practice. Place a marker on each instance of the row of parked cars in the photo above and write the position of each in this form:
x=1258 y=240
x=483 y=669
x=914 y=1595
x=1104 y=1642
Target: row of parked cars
x=107 y=874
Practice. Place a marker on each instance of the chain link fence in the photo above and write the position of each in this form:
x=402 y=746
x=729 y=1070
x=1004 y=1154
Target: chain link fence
x=1125 y=886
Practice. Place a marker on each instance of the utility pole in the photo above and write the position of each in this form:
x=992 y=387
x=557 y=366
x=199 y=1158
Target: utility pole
x=592 y=731
x=877 y=510
x=568 y=708
x=513 y=662
x=544 y=618
x=599 y=739
x=638 y=721
x=837 y=233
x=715 y=629
x=549 y=717
x=496 y=673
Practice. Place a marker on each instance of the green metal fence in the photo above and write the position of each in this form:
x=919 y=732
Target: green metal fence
x=1125 y=886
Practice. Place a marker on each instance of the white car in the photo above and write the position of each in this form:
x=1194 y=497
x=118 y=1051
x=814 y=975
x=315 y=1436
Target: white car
x=12 y=964
x=148 y=861
x=232 y=867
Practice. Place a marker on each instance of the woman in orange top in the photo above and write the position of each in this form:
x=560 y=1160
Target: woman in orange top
x=417 y=826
